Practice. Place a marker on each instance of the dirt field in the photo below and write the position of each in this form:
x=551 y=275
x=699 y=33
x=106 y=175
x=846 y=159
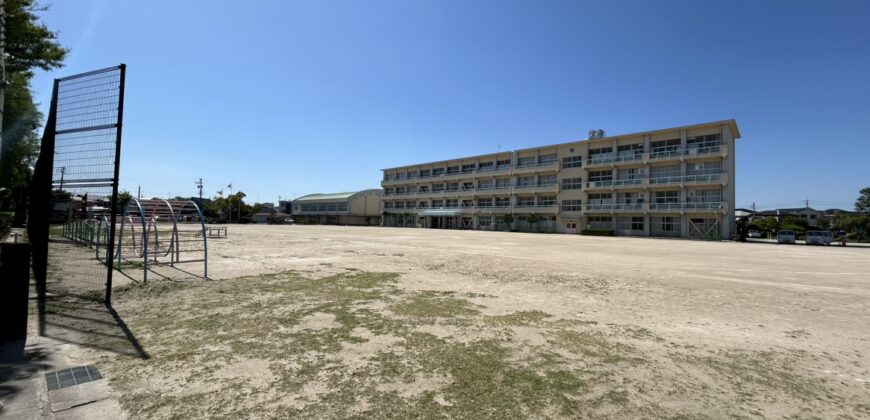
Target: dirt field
x=327 y=321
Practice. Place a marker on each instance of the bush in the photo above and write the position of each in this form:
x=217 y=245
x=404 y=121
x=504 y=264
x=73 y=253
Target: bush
x=597 y=232
x=6 y=219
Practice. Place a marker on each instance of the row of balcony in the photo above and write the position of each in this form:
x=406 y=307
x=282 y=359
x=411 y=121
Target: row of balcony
x=660 y=154
x=512 y=169
x=655 y=155
x=484 y=190
x=717 y=178
x=667 y=207
x=700 y=207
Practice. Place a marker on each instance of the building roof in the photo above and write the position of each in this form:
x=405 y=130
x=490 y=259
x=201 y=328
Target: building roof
x=333 y=196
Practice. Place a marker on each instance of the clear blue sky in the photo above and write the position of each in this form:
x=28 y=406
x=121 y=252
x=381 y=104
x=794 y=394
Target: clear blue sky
x=295 y=97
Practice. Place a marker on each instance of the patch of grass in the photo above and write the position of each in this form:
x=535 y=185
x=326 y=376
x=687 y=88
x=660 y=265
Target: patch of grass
x=754 y=374
x=521 y=318
x=596 y=346
x=431 y=304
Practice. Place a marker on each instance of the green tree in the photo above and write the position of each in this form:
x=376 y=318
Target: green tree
x=124 y=198
x=29 y=45
x=862 y=204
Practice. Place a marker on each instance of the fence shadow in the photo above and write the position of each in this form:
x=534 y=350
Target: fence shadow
x=88 y=323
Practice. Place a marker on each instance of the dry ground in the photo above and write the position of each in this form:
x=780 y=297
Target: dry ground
x=327 y=321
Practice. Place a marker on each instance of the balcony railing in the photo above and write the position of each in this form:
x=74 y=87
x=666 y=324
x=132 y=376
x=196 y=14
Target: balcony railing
x=706 y=205
x=668 y=152
x=535 y=164
x=614 y=206
x=600 y=184
x=688 y=179
x=550 y=184
x=627 y=182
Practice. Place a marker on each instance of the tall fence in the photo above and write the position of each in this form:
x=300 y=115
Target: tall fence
x=75 y=188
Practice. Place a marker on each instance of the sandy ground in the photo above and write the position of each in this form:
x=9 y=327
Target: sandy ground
x=793 y=315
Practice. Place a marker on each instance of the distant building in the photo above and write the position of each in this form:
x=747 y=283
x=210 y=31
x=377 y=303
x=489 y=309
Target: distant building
x=268 y=211
x=811 y=215
x=349 y=208
x=673 y=182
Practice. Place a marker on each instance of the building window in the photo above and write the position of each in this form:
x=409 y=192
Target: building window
x=467 y=186
x=546 y=180
x=484 y=222
x=637 y=223
x=467 y=203
x=425 y=173
x=662 y=197
x=634 y=150
x=437 y=187
x=468 y=168
x=572 y=162
x=412 y=174
x=598 y=176
x=572 y=183
x=451 y=204
x=453 y=186
x=451 y=170
x=502 y=202
x=547 y=159
x=526 y=161
x=485 y=184
x=504 y=163
x=484 y=202
x=604 y=198
x=438 y=172
x=525 y=201
x=486 y=166
x=437 y=203
x=388 y=191
x=546 y=200
x=503 y=183
x=571 y=205
x=525 y=181
x=599 y=222
x=664 y=147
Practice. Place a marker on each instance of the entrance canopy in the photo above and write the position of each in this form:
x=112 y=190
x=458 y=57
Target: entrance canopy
x=440 y=213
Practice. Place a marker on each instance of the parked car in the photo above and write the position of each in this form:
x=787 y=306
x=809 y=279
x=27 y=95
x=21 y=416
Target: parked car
x=785 y=237
x=819 y=237
x=754 y=233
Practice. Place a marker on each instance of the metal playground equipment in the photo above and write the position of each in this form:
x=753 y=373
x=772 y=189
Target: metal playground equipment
x=161 y=232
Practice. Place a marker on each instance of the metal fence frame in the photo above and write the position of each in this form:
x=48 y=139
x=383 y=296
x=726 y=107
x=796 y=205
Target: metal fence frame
x=87 y=111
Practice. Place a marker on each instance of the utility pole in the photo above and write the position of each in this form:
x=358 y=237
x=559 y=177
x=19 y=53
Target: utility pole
x=62 y=173
x=2 y=64
x=753 y=207
x=139 y=193
x=199 y=185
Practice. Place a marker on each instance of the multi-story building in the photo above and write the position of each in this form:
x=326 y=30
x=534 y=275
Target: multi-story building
x=674 y=182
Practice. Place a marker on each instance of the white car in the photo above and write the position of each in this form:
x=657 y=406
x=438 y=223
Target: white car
x=819 y=237
x=785 y=237
x=754 y=233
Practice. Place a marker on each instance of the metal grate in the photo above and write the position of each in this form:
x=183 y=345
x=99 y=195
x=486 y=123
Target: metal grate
x=69 y=377
x=87 y=124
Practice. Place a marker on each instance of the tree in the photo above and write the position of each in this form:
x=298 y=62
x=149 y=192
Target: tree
x=124 y=198
x=29 y=45
x=862 y=204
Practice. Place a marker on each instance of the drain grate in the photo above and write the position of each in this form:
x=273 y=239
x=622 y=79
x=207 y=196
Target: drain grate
x=69 y=377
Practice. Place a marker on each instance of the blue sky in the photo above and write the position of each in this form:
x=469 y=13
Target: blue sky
x=294 y=97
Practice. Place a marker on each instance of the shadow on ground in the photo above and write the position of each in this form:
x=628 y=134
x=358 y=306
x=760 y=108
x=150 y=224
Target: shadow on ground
x=87 y=323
